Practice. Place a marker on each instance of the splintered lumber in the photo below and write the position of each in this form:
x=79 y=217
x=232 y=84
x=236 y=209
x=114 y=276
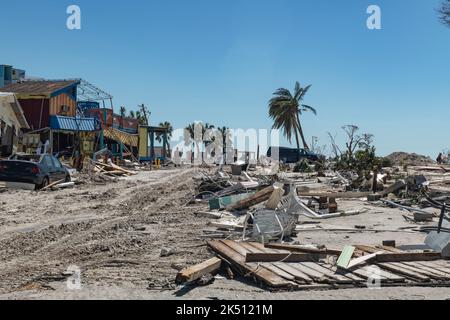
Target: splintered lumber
x=53 y=184
x=302 y=249
x=233 y=253
x=258 y=197
x=345 y=257
x=279 y=257
x=275 y=198
x=362 y=260
x=196 y=272
x=108 y=167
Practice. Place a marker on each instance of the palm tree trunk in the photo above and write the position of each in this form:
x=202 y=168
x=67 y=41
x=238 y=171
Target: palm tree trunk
x=300 y=130
x=296 y=138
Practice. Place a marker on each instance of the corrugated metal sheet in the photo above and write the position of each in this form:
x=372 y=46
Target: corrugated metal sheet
x=28 y=89
x=74 y=124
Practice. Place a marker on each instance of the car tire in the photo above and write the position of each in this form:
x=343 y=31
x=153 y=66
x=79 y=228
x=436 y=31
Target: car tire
x=44 y=183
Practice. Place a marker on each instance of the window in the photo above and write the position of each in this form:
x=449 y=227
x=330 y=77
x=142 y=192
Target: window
x=47 y=161
x=65 y=109
x=57 y=164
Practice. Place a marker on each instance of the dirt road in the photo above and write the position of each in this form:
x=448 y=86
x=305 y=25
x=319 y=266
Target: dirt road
x=115 y=233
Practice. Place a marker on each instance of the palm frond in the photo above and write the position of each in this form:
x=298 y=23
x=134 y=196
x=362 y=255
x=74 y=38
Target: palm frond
x=309 y=108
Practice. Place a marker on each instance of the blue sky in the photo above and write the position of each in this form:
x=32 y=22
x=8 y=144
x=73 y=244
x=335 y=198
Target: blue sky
x=219 y=61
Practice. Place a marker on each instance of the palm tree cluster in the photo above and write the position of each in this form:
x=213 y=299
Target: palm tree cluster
x=142 y=115
x=199 y=134
x=159 y=136
x=286 y=108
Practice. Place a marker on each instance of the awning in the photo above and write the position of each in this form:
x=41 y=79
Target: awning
x=120 y=136
x=74 y=124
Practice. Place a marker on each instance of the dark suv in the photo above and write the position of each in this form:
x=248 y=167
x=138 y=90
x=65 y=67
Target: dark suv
x=291 y=155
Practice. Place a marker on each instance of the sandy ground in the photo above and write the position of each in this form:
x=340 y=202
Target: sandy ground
x=115 y=232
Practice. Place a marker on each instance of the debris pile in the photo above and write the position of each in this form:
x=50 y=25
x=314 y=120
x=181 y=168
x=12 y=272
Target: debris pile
x=254 y=213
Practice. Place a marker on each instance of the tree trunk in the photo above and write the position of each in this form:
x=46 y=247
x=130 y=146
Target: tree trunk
x=296 y=138
x=300 y=130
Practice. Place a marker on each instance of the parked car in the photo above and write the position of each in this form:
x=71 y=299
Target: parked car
x=40 y=170
x=292 y=155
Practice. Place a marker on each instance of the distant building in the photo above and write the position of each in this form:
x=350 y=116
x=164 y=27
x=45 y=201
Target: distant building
x=40 y=100
x=9 y=75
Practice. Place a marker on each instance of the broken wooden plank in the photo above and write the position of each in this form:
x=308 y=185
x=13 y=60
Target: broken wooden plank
x=362 y=260
x=302 y=249
x=408 y=256
x=336 y=277
x=53 y=184
x=299 y=276
x=275 y=198
x=232 y=252
x=197 y=271
x=280 y=257
x=345 y=257
x=258 y=197
x=396 y=269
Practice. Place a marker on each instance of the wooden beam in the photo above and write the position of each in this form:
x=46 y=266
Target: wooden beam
x=258 y=197
x=280 y=257
x=408 y=256
x=233 y=253
x=396 y=255
x=302 y=249
x=196 y=272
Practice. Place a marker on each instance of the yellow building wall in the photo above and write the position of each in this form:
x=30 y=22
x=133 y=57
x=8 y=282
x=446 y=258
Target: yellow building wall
x=143 y=142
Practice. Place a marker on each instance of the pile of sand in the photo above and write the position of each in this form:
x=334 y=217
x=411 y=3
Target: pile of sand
x=411 y=159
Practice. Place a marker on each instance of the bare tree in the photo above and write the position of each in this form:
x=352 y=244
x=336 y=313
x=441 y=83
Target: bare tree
x=444 y=12
x=355 y=140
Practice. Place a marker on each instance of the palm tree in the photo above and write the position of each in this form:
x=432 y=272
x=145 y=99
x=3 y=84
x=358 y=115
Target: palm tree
x=132 y=114
x=123 y=112
x=141 y=118
x=207 y=133
x=226 y=139
x=169 y=128
x=285 y=110
x=193 y=133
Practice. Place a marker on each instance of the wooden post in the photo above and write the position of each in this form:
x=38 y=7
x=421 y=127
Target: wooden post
x=375 y=180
